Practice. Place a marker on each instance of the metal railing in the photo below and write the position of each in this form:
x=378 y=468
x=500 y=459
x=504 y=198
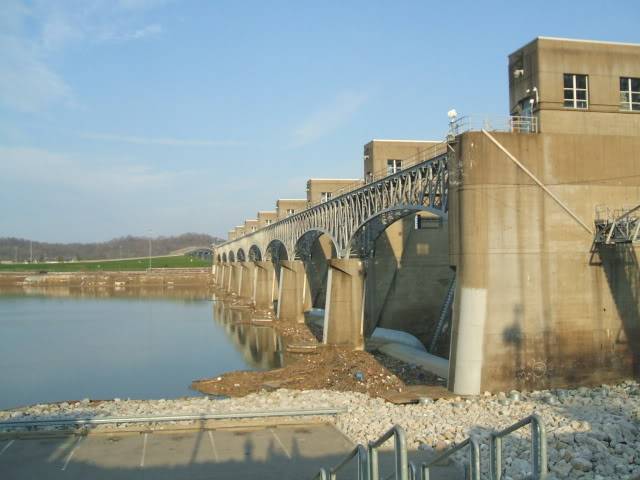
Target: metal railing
x=358 y=452
x=617 y=225
x=400 y=448
x=538 y=447
x=473 y=468
x=368 y=464
x=494 y=123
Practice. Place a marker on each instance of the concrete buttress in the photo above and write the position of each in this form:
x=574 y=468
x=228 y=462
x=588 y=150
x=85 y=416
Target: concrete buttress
x=245 y=284
x=344 y=311
x=292 y=291
x=262 y=296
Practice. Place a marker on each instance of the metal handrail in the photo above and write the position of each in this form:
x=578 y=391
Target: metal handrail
x=538 y=447
x=400 y=444
x=473 y=471
x=363 y=474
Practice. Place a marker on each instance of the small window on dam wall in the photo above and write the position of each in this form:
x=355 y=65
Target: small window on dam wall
x=427 y=223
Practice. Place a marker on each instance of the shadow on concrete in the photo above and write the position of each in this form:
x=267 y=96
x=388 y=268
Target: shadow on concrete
x=620 y=265
x=279 y=452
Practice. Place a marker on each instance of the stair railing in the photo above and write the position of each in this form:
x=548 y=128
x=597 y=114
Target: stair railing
x=538 y=447
x=358 y=452
x=473 y=468
x=400 y=447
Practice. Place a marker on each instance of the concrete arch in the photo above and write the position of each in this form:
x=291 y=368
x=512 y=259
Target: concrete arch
x=378 y=223
x=275 y=249
x=254 y=253
x=232 y=257
x=224 y=257
x=306 y=240
x=240 y=256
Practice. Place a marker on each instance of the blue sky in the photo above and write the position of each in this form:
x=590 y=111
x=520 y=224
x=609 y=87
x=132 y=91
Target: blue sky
x=117 y=117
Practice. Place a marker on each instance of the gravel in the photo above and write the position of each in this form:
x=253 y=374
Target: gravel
x=592 y=433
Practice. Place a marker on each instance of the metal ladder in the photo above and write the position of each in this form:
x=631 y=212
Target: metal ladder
x=368 y=464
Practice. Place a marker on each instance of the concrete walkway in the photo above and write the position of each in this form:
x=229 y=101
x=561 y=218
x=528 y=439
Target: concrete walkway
x=265 y=452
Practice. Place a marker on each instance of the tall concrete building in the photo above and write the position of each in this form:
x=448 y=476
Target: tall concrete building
x=576 y=86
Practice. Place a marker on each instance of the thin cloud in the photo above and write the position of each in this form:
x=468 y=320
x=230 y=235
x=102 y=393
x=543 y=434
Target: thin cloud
x=165 y=141
x=35 y=165
x=328 y=118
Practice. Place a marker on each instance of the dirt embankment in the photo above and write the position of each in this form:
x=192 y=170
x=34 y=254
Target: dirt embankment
x=311 y=365
x=179 y=277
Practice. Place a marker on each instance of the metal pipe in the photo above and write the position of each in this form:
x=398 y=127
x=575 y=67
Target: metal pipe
x=538 y=182
x=172 y=418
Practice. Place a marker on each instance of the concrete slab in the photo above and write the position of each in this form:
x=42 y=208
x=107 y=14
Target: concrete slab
x=265 y=452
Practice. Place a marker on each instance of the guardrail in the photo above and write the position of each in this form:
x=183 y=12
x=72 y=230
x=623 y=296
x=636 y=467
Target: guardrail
x=538 y=447
x=400 y=447
x=494 y=123
x=473 y=469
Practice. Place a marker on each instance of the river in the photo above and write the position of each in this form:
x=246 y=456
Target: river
x=58 y=345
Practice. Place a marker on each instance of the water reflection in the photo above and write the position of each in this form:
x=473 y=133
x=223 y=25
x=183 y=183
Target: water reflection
x=260 y=345
x=62 y=343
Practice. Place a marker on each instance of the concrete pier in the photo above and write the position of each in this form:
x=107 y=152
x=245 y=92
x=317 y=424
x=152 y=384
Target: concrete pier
x=245 y=288
x=262 y=296
x=292 y=291
x=344 y=311
x=234 y=279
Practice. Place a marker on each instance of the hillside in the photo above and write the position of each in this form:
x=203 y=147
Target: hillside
x=123 y=247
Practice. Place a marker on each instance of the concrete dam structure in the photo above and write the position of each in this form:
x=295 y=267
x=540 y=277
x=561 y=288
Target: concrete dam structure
x=509 y=249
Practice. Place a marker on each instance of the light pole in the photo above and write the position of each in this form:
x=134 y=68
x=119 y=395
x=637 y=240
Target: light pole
x=150 y=233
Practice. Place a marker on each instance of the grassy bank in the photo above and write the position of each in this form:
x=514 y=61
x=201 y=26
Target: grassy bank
x=174 y=261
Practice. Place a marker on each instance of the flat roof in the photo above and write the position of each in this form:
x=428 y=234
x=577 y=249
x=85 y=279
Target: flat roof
x=266 y=211
x=576 y=40
x=407 y=141
x=336 y=179
x=251 y=220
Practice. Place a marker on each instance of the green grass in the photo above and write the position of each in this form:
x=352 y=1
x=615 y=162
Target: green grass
x=178 y=261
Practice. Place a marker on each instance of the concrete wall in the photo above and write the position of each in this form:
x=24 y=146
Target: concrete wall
x=315 y=187
x=285 y=204
x=546 y=60
x=251 y=226
x=377 y=152
x=266 y=218
x=408 y=278
x=549 y=310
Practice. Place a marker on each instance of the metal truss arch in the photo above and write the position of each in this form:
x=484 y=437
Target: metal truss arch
x=420 y=187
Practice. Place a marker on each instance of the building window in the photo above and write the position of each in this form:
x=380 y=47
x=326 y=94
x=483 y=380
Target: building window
x=427 y=223
x=325 y=196
x=393 y=166
x=267 y=222
x=576 y=91
x=253 y=229
x=290 y=211
x=630 y=93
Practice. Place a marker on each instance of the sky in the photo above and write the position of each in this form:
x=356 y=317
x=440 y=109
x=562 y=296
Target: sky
x=120 y=117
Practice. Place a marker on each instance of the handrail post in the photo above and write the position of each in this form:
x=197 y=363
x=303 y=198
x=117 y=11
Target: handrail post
x=496 y=457
x=374 y=473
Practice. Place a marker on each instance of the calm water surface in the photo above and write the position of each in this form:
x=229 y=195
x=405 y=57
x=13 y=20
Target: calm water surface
x=55 y=348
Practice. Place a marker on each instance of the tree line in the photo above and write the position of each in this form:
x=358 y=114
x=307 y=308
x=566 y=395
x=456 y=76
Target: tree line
x=20 y=249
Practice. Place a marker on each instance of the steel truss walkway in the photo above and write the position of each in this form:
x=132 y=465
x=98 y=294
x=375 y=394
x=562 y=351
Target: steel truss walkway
x=617 y=225
x=353 y=220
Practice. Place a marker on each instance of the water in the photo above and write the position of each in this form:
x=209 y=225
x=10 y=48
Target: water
x=65 y=347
